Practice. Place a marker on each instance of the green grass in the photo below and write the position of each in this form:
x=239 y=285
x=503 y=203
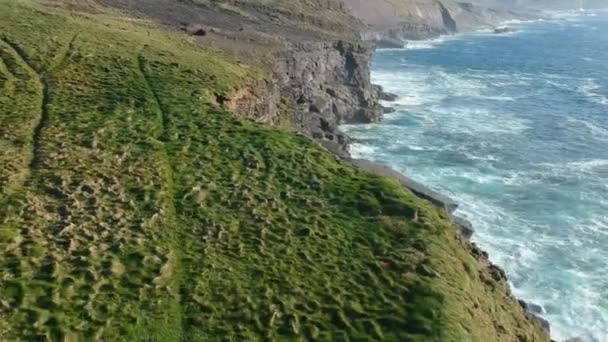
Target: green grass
x=133 y=209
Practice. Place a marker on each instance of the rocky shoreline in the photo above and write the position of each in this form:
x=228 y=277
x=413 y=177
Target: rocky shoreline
x=443 y=202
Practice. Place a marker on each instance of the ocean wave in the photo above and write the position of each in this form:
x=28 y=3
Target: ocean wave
x=363 y=150
x=520 y=21
x=593 y=167
x=569 y=15
x=429 y=43
x=590 y=90
x=479 y=120
x=597 y=132
x=413 y=88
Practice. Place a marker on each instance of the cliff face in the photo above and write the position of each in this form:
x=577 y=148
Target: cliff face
x=331 y=85
x=390 y=22
x=313 y=87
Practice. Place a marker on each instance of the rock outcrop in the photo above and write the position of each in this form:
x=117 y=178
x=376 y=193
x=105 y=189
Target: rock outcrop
x=330 y=84
x=418 y=189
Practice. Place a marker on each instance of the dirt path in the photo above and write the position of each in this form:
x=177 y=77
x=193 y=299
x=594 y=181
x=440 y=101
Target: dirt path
x=43 y=77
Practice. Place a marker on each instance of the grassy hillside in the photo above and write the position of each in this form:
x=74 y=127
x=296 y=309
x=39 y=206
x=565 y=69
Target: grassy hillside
x=133 y=209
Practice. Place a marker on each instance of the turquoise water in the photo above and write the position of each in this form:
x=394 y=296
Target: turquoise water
x=515 y=128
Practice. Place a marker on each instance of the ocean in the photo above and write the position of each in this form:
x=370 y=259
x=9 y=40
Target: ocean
x=514 y=127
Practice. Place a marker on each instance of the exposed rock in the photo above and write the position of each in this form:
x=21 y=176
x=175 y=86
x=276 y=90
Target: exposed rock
x=384 y=96
x=389 y=43
x=388 y=110
x=478 y=252
x=497 y=273
x=535 y=308
x=531 y=307
x=197 y=29
x=543 y=322
x=464 y=226
x=334 y=147
x=535 y=311
x=418 y=189
x=504 y=29
x=331 y=83
x=390 y=97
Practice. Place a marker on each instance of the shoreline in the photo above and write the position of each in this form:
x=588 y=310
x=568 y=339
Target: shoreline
x=443 y=202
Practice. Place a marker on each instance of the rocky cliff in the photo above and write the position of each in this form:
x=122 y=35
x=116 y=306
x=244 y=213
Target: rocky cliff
x=318 y=77
x=391 y=22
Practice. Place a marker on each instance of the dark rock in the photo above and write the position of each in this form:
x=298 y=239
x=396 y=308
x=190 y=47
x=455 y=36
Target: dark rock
x=196 y=30
x=388 y=110
x=199 y=32
x=497 y=273
x=523 y=304
x=535 y=309
x=505 y=29
x=418 y=189
x=389 y=97
x=531 y=307
x=384 y=96
x=335 y=147
x=478 y=252
x=367 y=115
x=389 y=43
x=543 y=323
x=321 y=104
x=465 y=227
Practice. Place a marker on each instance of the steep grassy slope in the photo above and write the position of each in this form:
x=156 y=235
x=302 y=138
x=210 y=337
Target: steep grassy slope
x=133 y=209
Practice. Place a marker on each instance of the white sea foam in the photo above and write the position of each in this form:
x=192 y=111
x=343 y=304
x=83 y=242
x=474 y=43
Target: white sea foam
x=597 y=132
x=479 y=120
x=413 y=88
x=424 y=44
x=592 y=91
x=595 y=166
x=363 y=150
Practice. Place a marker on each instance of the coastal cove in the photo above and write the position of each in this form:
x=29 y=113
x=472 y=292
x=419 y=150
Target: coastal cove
x=513 y=127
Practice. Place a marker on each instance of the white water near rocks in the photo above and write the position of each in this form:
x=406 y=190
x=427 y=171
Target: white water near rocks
x=515 y=128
